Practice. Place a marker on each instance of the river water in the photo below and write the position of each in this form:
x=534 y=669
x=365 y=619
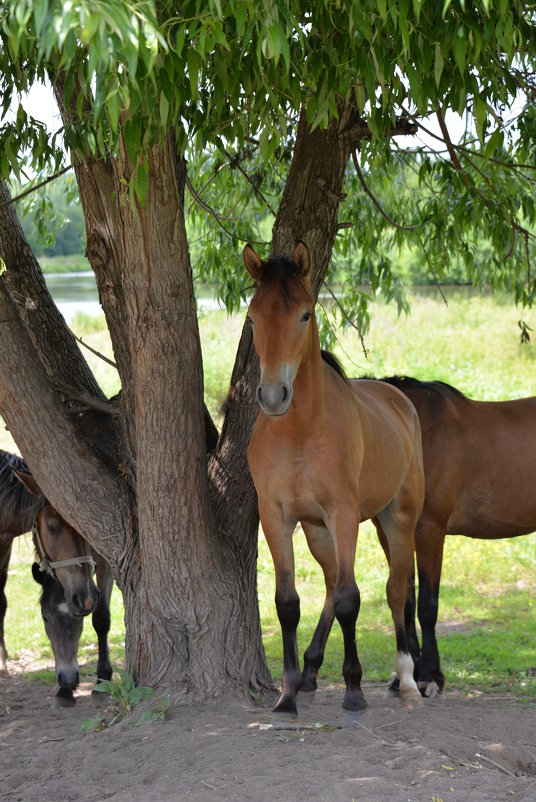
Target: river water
x=77 y=292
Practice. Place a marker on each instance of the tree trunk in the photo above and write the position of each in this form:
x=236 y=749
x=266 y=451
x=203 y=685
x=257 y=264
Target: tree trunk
x=181 y=534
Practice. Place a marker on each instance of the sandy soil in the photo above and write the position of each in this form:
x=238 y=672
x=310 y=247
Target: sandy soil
x=457 y=749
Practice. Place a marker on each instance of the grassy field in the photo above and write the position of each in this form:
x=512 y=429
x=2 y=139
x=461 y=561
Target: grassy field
x=488 y=600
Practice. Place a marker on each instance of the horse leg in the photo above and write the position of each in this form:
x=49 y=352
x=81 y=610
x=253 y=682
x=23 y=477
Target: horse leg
x=398 y=523
x=322 y=548
x=429 y=542
x=5 y=554
x=409 y=612
x=346 y=603
x=101 y=618
x=278 y=533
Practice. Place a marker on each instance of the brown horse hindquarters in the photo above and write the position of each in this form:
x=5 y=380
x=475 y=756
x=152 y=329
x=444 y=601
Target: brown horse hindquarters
x=479 y=463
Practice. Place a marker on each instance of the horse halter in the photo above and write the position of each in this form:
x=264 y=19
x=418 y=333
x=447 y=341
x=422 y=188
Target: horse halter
x=48 y=566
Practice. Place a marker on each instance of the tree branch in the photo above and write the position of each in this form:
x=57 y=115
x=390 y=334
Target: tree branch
x=248 y=178
x=35 y=187
x=375 y=201
x=348 y=319
x=97 y=353
x=210 y=211
x=88 y=401
x=26 y=391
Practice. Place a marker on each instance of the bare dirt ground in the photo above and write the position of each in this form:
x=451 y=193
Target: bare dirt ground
x=479 y=749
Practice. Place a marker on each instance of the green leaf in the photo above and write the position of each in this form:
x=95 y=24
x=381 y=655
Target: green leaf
x=480 y=116
x=240 y=18
x=459 y=48
x=132 y=135
x=193 y=62
x=438 y=63
x=495 y=143
x=164 y=110
x=141 y=183
x=40 y=13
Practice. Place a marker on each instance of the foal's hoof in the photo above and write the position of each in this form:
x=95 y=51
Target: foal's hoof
x=65 y=699
x=287 y=707
x=393 y=690
x=354 y=701
x=430 y=690
x=410 y=699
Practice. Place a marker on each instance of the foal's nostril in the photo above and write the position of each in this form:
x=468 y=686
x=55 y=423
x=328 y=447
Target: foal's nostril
x=259 y=394
x=83 y=605
x=285 y=392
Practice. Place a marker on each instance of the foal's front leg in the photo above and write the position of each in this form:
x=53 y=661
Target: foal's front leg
x=346 y=604
x=278 y=535
x=322 y=548
x=101 y=620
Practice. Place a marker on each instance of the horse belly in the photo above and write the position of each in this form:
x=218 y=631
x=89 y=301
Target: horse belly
x=495 y=511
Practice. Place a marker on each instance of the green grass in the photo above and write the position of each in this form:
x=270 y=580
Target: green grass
x=24 y=629
x=487 y=602
x=487 y=613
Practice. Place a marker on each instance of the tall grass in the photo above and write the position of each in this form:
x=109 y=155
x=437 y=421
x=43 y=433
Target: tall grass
x=487 y=601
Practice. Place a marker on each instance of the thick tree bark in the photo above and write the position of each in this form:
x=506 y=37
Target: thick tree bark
x=184 y=544
x=75 y=480
x=308 y=211
x=52 y=339
x=309 y=208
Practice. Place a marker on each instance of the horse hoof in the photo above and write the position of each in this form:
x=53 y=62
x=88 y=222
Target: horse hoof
x=286 y=707
x=430 y=690
x=411 y=700
x=393 y=690
x=354 y=701
x=65 y=701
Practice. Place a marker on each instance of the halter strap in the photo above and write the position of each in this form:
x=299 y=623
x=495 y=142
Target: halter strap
x=48 y=566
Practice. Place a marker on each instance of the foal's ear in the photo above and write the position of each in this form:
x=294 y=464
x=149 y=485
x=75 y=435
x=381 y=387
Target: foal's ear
x=29 y=482
x=253 y=263
x=302 y=259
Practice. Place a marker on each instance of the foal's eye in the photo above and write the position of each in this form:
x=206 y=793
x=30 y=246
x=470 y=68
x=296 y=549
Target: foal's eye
x=306 y=317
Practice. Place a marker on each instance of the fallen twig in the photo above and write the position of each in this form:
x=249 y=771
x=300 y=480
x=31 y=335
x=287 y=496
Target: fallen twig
x=379 y=737
x=494 y=763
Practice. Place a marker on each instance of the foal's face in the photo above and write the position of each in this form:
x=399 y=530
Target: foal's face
x=281 y=317
x=62 y=542
x=62 y=628
x=281 y=336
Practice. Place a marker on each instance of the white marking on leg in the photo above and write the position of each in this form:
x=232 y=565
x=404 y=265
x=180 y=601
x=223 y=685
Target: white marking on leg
x=404 y=669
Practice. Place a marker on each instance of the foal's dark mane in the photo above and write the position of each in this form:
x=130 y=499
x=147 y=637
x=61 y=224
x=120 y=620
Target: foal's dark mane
x=18 y=508
x=333 y=362
x=281 y=270
x=409 y=383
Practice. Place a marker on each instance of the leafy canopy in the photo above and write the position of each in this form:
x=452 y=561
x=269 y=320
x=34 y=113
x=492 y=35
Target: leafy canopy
x=229 y=77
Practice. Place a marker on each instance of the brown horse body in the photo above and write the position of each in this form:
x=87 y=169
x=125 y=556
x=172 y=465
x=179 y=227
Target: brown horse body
x=479 y=465
x=327 y=453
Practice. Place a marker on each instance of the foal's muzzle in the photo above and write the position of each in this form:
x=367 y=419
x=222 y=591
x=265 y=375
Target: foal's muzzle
x=274 y=399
